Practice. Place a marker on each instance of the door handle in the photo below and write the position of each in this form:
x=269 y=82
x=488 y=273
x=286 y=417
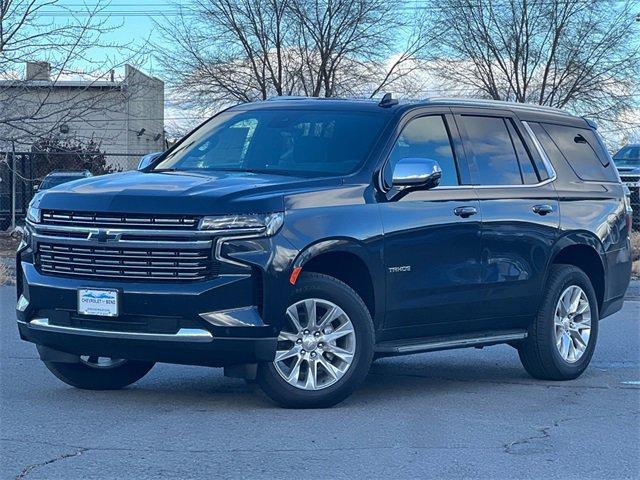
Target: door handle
x=542 y=209
x=465 y=212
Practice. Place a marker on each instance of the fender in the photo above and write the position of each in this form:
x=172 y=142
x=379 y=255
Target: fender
x=585 y=238
x=370 y=257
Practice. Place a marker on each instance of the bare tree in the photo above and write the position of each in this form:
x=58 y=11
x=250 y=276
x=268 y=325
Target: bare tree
x=226 y=51
x=28 y=106
x=574 y=54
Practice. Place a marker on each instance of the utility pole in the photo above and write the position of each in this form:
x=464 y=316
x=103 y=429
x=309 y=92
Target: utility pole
x=13 y=185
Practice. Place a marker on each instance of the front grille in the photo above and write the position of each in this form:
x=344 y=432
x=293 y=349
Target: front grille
x=629 y=178
x=128 y=263
x=117 y=220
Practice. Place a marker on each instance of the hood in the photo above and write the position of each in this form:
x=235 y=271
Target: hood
x=185 y=193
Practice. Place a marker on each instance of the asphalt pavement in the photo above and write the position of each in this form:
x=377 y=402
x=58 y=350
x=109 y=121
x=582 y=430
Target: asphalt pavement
x=456 y=414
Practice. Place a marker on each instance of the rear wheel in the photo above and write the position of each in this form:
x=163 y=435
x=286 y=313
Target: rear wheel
x=563 y=336
x=325 y=349
x=100 y=373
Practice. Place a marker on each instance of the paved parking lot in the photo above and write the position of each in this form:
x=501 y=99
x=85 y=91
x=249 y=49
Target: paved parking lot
x=458 y=414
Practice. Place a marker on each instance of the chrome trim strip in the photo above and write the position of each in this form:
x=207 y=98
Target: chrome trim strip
x=142 y=231
x=234 y=317
x=545 y=159
x=194 y=335
x=81 y=242
x=456 y=343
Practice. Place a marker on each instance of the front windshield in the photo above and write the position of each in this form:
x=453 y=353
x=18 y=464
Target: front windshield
x=279 y=141
x=628 y=156
x=58 y=180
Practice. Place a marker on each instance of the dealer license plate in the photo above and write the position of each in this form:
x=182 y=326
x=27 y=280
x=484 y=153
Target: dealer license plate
x=98 y=302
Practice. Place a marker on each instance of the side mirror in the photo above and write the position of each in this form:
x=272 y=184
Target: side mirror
x=148 y=160
x=417 y=172
x=36 y=187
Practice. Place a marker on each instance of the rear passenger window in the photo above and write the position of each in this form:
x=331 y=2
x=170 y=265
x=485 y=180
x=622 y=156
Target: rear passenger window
x=529 y=174
x=489 y=144
x=426 y=137
x=580 y=148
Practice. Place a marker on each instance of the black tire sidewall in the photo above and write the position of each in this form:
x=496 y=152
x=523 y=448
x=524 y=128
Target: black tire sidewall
x=567 y=277
x=83 y=376
x=325 y=288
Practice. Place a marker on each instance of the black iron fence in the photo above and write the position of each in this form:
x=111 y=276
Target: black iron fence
x=21 y=174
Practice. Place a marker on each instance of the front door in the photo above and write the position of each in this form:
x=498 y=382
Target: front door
x=432 y=237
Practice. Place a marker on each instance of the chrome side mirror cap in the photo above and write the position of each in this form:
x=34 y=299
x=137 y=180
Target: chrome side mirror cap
x=417 y=172
x=148 y=160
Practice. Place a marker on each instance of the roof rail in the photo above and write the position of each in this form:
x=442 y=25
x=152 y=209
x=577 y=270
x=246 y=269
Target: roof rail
x=498 y=103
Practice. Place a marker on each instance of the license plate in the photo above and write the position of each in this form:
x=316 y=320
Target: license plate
x=98 y=302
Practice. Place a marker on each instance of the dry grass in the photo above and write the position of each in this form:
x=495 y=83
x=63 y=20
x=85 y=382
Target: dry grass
x=6 y=275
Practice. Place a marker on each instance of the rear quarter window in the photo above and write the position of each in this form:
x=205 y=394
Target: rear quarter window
x=584 y=153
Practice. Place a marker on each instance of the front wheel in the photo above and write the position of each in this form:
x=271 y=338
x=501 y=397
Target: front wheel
x=100 y=373
x=563 y=336
x=325 y=349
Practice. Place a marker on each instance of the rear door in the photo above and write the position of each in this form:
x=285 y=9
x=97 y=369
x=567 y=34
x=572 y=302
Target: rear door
x=432 y=237
x=520 y=212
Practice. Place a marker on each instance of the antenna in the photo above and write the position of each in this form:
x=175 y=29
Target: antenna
x=387 y=101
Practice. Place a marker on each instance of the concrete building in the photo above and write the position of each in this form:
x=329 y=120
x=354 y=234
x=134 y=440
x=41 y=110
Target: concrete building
x=124 y=116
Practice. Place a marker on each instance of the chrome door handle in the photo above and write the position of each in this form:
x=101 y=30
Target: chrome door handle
x=542 y=209
x=465 y=212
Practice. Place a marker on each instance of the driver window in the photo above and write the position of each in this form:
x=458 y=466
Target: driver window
x=427 y=137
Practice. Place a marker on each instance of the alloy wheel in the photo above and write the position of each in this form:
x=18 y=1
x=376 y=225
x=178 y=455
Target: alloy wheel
x=572 y=321
x=101 y=362
x=317 y=347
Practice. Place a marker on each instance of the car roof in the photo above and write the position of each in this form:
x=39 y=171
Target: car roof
x=524 y=111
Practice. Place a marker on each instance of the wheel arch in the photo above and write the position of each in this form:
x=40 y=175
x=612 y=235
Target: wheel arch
x=350 y=262
x=584 y=251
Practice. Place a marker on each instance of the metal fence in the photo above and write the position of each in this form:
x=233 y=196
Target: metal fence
x=22 y=172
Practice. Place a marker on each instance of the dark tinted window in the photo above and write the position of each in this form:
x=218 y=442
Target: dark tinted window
x=426 y=137
x=579 y=146
x=489 y=144
x=54 y=181
x=296 y=142
x=526 y=166
x=628 y=156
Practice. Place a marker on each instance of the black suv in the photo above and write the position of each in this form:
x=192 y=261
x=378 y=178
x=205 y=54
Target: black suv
x=294 y=241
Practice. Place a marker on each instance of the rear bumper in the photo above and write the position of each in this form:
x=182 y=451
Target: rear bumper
x=158 y=322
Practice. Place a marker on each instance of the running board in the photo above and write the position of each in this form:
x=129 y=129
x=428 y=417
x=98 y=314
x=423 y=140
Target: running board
x=445 y=342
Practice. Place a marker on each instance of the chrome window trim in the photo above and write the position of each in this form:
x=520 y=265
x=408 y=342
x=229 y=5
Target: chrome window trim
x=538 y=146
x=545 y=159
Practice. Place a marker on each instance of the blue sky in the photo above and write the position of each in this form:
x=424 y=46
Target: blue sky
x=134 y=19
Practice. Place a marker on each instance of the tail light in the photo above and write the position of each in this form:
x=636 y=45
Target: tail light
x=628 y=209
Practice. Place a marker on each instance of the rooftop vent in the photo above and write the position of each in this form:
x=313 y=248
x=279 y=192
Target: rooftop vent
x=38 y=71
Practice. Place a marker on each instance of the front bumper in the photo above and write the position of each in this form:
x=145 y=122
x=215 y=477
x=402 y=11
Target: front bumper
x=158 y=322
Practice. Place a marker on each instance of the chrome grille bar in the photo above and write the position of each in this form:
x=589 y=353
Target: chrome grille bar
x=104 y=220
x=125 y=262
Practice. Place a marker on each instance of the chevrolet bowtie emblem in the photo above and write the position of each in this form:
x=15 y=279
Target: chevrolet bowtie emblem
x=103 y=236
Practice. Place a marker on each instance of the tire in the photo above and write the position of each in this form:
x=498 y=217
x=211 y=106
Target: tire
x=541 y=352
x=356 y=346
x=89 y=377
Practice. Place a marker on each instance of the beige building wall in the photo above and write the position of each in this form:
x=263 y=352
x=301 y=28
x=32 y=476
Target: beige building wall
x=124 y=117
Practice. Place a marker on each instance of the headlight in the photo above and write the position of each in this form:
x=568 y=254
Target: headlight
x=266 y=224
x=33 y=214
